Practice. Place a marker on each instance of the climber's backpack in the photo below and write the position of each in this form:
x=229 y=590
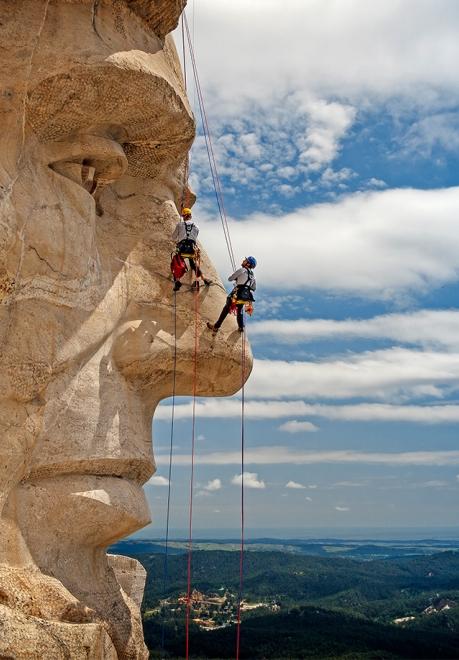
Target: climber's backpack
x=243 y=291
x=187 y=246
x=178 y=266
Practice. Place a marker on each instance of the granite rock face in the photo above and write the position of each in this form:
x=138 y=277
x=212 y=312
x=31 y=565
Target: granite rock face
x=96 y=130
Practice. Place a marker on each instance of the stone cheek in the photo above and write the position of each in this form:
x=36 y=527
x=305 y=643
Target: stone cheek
x=96 y=131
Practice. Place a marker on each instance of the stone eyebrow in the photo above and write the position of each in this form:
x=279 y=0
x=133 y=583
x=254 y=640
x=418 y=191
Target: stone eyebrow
x=161 y=16
x=148 y=115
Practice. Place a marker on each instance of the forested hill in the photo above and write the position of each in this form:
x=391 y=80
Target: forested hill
x=292 y=577
x=306 y=607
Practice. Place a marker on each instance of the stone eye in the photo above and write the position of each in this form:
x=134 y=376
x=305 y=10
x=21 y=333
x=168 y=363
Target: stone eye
x=90 y=161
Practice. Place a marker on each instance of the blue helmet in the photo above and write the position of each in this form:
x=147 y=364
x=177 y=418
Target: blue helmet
x=251 y=261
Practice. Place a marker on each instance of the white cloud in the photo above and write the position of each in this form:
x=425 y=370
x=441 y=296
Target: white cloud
x=298 y=427
x=213 y=485
x=281 y=455
x=439 y=130
x=353 y=48
x=342 y=508
x=308 y=499
x=331 y=177
x=250 y=480
x=157 y=480
x=295 y=485
x=363 y=412
x=348 y=484
x=427 y=327
x=375 y=244
x=295 y=104
x=382 y=374
x=300 y=135
x=328 y=123
x=376 y=183
x=434 y=483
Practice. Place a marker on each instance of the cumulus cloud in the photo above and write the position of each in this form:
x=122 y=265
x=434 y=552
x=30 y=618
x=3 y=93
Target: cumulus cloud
x=213 y=485
x=328 y=123
x=278 y=455
x=427 y=328
x=251 y=480
x=342 y=508
x=298 y=427
x=295 y=105
x=434 y=483
x=375 y=244
x=352 y=48
x=362 y=412
x=157 y=480
x=282 y=148
x=295 y=485
x=438 y=130
x=348 y=484
x=382 y=374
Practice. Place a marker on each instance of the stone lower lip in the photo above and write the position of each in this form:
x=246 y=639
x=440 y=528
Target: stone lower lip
x=79 y=510
x=138 y=470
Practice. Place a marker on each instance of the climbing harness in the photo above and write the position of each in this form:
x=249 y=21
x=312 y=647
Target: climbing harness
x=243 y=292
x=242 y=295
x=187 y=246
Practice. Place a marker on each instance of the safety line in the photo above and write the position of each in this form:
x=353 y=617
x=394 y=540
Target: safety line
x=174 y=383
x=186 y=169
x=193 y=435
x=241 y=554
x=166 y=549
x=209 y=148
x=183 y=51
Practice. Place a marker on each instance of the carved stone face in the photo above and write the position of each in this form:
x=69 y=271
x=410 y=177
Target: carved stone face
x=96 y=128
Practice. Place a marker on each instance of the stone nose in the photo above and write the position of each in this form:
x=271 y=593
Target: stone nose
x=152 y=352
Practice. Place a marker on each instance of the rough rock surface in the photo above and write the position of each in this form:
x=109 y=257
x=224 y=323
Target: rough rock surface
x=96 y=128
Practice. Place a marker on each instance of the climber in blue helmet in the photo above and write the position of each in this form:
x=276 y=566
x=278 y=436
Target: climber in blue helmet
x=241 y=295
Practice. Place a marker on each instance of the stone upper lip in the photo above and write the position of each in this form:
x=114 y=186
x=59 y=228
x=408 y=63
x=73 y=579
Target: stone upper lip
x=135 y=469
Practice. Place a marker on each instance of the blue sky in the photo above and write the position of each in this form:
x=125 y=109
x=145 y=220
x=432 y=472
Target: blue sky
x=336 y=132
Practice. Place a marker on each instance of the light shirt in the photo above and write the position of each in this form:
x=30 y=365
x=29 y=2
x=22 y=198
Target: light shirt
x=240 y=277
x=180 y=231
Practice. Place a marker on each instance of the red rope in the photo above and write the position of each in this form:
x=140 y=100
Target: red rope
x=193 y=434
x=241 y=556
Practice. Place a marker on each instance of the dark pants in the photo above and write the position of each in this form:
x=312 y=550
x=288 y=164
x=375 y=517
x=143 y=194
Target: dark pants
x=225 y=312
x=194 y=267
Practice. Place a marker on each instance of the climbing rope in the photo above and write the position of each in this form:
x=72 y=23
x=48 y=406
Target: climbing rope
x=209 y=148
x=219 y=197
x=174 y=382
x=193 y=436
x=241 y=553
x=171 y=443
